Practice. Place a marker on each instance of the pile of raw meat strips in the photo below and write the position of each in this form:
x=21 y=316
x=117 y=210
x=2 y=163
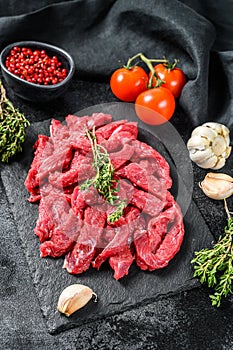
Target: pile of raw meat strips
x=74 y=223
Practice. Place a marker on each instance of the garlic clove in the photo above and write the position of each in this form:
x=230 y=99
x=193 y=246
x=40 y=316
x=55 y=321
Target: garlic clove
x=217 y=185
x=74 y=297
x=201 y=156
x=225 y=131
x=220 y=163
x=204 y=132
x=208 y=163
x=227 y=139
x=220 y=176
x=219 y=145
x=197 y=143
x=227 y=152
x=214 y=126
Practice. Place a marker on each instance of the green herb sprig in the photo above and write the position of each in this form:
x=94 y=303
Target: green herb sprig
x=118 y=212
x=104 y=181
x=214 y=266
x=12 y=128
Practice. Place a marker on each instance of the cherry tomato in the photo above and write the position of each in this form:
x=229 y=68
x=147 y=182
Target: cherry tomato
x=174 y=78
x=155 y=106
x=127 y=84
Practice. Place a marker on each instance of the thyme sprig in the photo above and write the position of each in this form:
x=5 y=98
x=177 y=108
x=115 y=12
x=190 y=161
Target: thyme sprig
x=214 y=266
x=103 y=181
x=118 y=212
x=12 y=128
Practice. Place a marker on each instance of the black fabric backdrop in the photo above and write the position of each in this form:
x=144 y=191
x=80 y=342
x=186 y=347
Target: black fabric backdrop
x=102 y=35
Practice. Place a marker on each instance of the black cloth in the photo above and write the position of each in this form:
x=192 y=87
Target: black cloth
x=101 y=36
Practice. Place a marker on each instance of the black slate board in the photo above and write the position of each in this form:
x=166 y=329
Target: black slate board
x=114 y=296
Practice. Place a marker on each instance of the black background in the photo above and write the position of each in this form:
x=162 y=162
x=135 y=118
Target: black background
x=101 y=35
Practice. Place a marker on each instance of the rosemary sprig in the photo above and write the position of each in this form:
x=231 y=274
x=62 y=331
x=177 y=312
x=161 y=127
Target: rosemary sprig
x=12 y=128
x=104 y=181
x=214 y=266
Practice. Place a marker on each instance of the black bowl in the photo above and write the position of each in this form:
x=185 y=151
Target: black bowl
x=35 y=92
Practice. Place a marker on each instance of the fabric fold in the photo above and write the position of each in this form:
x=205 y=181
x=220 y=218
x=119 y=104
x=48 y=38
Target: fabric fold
x=101 y=36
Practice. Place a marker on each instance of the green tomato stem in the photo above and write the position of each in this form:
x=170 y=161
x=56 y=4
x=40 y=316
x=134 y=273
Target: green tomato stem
x=171 y=66
x=130 y=60
x=148 y=62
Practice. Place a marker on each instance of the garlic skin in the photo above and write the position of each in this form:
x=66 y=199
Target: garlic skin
x=217 y=186
x=209 y=145
x=74 y=297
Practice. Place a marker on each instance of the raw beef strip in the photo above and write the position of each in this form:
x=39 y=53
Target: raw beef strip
x=59 y=244
x=78 y=202
x=80 y=158
x=146 y=202
x=154 y=249
x=80 y=142
x=121 y=157
x=84 y=164
x=150 y=166
x=80 y=169
x=122 y=130
x=47 y=189
x=35 y=196
x=58 y=131
x=107 y=236
x=132 y=216
x=114 y=144
x=81 y=199
x=139 y=232
x=77 y=128
x=129 y=218
x=78 y=124
x=75 y=123
x=121 y=263
x=139 y=177
x=61 y=180
x=45 y=223
x=57 y=204
x=59 y=160
x=128 y=131
x=78 y=139
x=120 y=244
x=144 y=151
x=66 y=226
x=43 y=148
x=98 y=119
x=80 y=258
x=124 y=192
x=141 y=246
x=104 y=132
x=116 y=246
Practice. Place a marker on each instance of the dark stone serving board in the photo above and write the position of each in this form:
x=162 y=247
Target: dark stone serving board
x=50 y=279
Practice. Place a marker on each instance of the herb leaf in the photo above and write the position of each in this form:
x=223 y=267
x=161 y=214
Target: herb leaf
x=12 y=128
x=104 y=181
x=215 y=266
x=118 y=212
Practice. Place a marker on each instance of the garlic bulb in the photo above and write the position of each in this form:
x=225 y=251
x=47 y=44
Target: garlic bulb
x=209 y=145
x=74 y=297
x=217 y=186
